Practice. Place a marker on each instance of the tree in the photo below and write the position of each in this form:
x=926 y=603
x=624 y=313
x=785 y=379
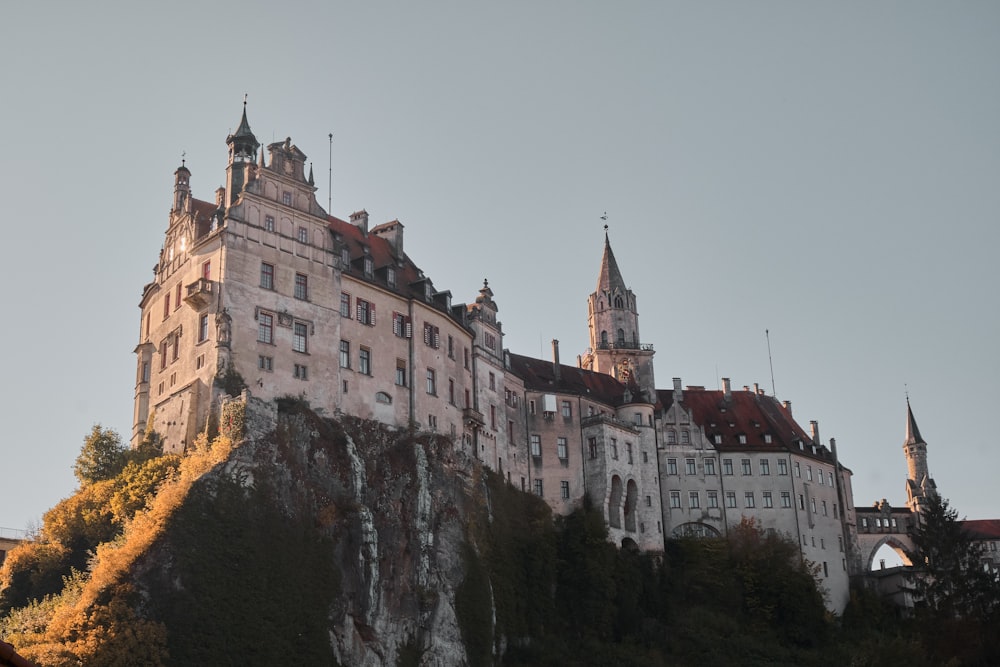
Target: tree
x=102 y=456
x=952 y=582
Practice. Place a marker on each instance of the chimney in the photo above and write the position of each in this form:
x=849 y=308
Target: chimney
x=727 y=389
x=360 y=219
x=788 y=406
x=555 y=360
x=814 y=429
x=756 y=389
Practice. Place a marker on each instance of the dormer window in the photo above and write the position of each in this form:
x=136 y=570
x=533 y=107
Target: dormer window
x=390 y=276
x=369 y=267
x=345 y=256
x=428 y=291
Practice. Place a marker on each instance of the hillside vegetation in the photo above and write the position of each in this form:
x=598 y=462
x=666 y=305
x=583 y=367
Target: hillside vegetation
x=323 y=543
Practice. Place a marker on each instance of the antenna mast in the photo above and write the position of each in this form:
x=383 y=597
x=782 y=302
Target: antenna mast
x=770 y=363
x=329 y=182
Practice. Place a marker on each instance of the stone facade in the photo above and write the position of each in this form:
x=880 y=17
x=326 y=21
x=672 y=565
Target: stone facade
x=263 y=290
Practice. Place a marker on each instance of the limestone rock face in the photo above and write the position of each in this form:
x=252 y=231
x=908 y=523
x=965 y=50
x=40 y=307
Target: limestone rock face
x=394 y=506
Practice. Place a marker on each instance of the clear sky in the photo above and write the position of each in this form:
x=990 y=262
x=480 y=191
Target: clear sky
x=827 y=171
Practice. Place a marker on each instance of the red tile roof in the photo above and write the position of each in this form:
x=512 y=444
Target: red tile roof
x=983 y=529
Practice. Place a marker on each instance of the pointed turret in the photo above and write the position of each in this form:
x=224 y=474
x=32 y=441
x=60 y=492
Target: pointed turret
x=614 y=330
x=182 y=187
x=243 y=147
x=919 y=483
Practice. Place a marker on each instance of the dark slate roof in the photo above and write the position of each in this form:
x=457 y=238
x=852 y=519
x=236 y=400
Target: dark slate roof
x=610 y=276
x=539 y=375
x=746 y=413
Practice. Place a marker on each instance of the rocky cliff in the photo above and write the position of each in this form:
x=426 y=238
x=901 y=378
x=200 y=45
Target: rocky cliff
x=318 y=540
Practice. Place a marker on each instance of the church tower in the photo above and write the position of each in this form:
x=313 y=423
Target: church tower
x=919 y=484
x=613 y=317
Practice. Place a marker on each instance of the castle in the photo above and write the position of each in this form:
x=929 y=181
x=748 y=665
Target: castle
x=265 y=286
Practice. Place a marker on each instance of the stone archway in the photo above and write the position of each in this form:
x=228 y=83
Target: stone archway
x=901 y=544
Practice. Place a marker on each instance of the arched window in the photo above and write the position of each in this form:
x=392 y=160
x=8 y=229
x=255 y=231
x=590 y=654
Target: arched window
x=615 y=503
x=621 y=337
x=619 y=302
x=631 y=496
x=604 y=339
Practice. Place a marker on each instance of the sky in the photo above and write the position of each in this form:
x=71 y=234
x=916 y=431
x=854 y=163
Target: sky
x=825 y=172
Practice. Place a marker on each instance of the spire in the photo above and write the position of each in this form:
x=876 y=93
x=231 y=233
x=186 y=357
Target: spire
x=311 y=180
x=243 y=141
x=912 y=432
x=610 y=276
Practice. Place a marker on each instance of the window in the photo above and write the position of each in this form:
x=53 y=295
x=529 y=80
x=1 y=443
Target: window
x=390 y=276
x=265 y=363
x=301 y=372
x=345 y=305
x=364 y=361
x=671 y=437
x=767 y=438
x=368 y=266
x=713 y=499
x=614 y=453
x=465 y=353
x=628 y=451
x=451 y=351
x=645 y=457
x=730 y=499
x=431 y=382
x=451 y=391
x=345 y=257
x=564 y=490
x=685 y=437
x=809 y=473
x=301 y=286
x=265 y=328
x=592 y=447
x=382 y=397
x=812 y=503
x=266 y=275
x=538 y=487
x=671 y=466
x=490 y=341
x=567 y=409
x=717 y=439
x=400 y=372
x=710 y=466
x=345 y=354
x=768 y=502
x=835 y=511
x=366 y=312
x=203 y=328
x=269 y=223
x=675 y=499
x=765 y=467
x=745 y=466
x=493 y=378
x=786 y=499
x=493 y=417
x=432 y=335
x=401 y=326
x=802 y=502
x=727 y=466
x=536 y=444
x=303 y=235
x=166 y=306
x=748 y=498
x=782 y=467
x=163 y=355
x=177 y=349
x=177 y=297
x=830 y=474
x=798 y=470
x=286 y=198
x=689 y=467
x=562 y=450
x=743 y=439
x=206 y=270
x=825 y=509
x=145 y=371
x=299 y=335
x=694 y=502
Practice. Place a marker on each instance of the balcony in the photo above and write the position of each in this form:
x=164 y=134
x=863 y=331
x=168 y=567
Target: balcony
x=625 y=345
x=199 y=294
x=473 y=418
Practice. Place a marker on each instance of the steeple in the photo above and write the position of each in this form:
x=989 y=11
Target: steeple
x=614 y=331
x=182 y=187
x=918 y=483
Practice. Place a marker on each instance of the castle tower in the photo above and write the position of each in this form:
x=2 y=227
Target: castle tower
x=243 y=147
x=919 y=484
x=182 y=188
x=613 y=317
